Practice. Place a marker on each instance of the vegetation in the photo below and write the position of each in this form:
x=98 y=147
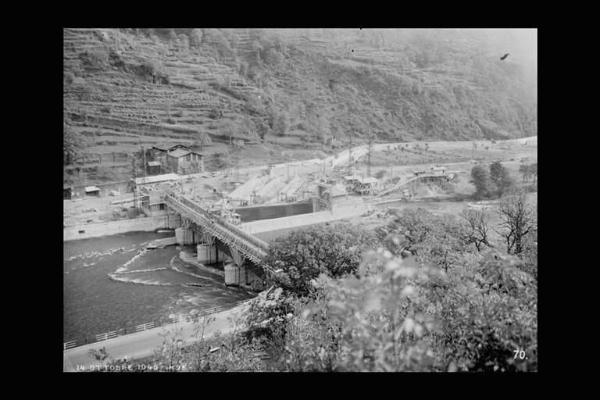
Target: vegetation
x=493 y=183
x=94 y=60
x=518 y=221
x=384 y=309
x=484 y=186
x=477 y=230
x=501 y=177
x=73 y=144
x=529 y=172
x=306 y=254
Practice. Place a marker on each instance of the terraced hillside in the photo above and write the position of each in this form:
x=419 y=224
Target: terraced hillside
x=295 y=90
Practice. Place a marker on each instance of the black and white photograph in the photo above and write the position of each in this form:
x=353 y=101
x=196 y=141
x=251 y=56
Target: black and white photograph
x=300 y=200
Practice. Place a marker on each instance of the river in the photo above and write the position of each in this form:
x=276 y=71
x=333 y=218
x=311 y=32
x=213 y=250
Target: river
x=112 y=283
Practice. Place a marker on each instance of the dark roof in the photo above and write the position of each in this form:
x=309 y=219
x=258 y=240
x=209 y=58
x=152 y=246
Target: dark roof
x=166 y=147
x=178 y=146
x=161 y=147
x=178 y=153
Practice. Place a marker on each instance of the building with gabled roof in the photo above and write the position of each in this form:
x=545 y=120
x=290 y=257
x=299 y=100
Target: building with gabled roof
x=185 y=161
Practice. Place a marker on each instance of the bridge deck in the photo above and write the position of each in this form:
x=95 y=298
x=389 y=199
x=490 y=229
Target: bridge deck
x=250 y=246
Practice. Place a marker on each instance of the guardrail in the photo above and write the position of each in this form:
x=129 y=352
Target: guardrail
x=142 y=327
x=69 y=344
x=105 y=336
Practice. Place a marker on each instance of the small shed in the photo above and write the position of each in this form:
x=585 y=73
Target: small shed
x=367 y=185
x=67 y=193
x=153 y=167
x=93 y=191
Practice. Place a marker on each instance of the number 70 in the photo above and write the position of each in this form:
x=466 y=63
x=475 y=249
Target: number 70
x=519 y=353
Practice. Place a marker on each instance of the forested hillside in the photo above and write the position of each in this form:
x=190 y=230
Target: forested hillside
x=296 y=88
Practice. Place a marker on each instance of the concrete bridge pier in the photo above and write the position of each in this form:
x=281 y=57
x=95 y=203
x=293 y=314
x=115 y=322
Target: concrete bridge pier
x=185 y=236
x=207 y=253
x=207 y=250
x=235 y=273
x=240 y=272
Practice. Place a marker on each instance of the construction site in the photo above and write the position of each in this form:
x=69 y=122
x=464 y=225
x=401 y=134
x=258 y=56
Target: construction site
x=189 y=153
x=268 y=201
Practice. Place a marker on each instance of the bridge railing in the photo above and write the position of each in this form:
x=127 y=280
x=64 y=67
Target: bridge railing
x=222 y=223
x=224 y=233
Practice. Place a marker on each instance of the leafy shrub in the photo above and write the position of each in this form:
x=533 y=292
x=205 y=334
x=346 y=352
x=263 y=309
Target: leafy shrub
x=196 y=37
x=280 y=123
x=267 y=316
x=97 y=59
x=501 y=178
x=484 y=186
x=273 y=57
x=305 y=254
x=401 y=315
x=215 y=113
x=219 y=42
x=68 y=77
x=439 y=240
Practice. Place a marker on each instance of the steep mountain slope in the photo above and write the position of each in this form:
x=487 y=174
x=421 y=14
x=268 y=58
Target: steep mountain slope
x=296 y=89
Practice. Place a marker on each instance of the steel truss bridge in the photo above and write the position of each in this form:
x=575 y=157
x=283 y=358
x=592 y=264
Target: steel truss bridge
x=247 y=245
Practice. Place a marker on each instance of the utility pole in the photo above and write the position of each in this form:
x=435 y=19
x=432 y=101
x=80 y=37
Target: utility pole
x=369 y=156
x=350 y=156
x=144 y=160
x=134 y=183
x=169 y=99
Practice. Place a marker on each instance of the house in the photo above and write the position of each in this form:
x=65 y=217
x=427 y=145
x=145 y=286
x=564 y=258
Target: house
x=159 y=152
x=184 y=161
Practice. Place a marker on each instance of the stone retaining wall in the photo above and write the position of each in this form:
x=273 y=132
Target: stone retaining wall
x=145 y=224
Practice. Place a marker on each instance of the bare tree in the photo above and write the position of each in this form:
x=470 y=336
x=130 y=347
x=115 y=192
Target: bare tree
x=477 y=228
x=518 y=219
